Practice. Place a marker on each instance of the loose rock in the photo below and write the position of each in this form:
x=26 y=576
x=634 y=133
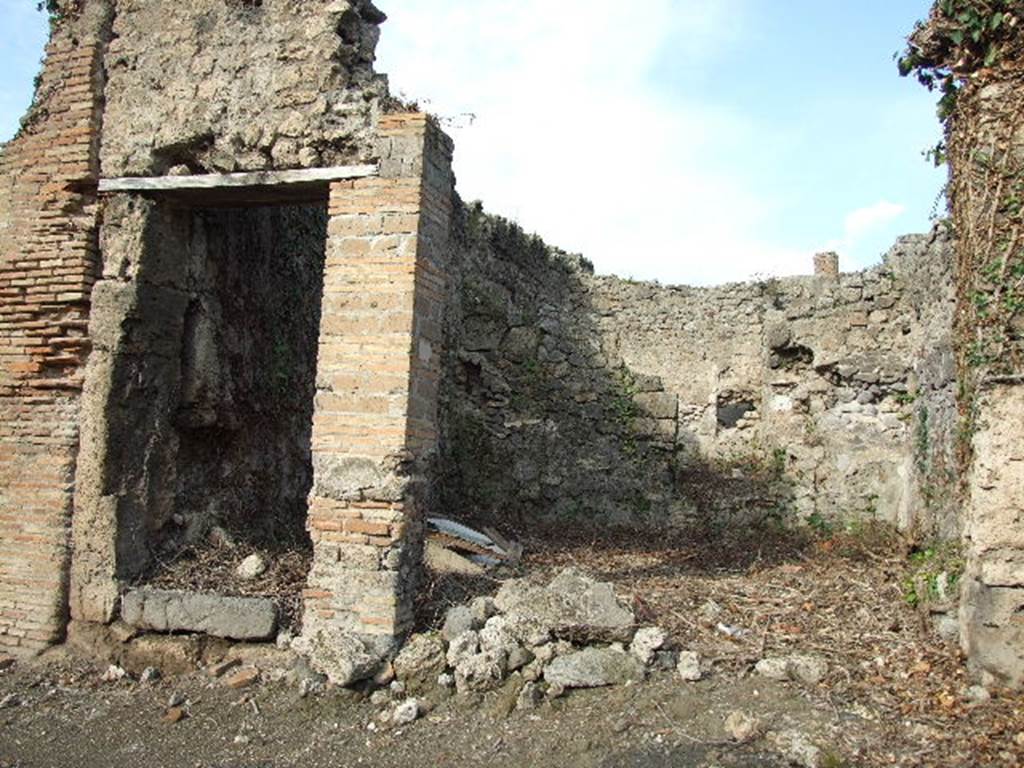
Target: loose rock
x=113 y=674
x=594 y=667
x=741 y=727
x=646 y=642
x=243 y=678
x=798 y=749
x=174 y=715
x=459 y=619
x=406 y=712
x=222 y=667
x=530 y=696
x=480 y=673
x=10 y=701
x=572 y=606
x=252 y=567
x=773 y=669
x=809 y=670
x=689 y=666
x=462 y=647
x=419 y=662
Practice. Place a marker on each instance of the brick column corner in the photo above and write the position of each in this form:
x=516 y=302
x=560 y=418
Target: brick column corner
x=375 y=415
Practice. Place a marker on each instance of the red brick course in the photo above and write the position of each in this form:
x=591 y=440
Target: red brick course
x=48 y=264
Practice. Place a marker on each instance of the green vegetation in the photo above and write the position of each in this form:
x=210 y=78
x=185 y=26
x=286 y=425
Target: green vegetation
x=943 y=560
x=960 y=37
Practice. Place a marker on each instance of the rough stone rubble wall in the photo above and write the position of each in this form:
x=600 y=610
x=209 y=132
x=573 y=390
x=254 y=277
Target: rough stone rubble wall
x=986 y=150
x=48 y=263
x=832 y=376
x=539 y=423
x=210 y=85
x=575 y=396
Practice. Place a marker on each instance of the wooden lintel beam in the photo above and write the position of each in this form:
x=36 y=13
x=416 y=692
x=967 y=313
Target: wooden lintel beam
x=240 y=181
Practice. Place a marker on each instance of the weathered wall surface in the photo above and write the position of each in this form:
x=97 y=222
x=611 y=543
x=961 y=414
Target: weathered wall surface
x=986 y=148
x=538 y=421
x=47 y=267
x=827 y=377
x=576 y=395
x=992 y=608
x=228 y=85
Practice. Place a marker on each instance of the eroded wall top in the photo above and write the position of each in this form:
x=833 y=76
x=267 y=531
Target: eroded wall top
x=232 y=85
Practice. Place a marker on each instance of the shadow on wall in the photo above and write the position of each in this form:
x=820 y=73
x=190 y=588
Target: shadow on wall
x=542 y=422
x=199 y=410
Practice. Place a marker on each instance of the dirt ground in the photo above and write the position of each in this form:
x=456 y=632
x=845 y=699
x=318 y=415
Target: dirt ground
x=895 y=693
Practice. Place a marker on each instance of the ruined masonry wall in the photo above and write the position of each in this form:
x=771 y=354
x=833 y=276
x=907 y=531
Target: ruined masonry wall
x=48 y=259
x=595 y=399
x=842 y=382
x=215 y=86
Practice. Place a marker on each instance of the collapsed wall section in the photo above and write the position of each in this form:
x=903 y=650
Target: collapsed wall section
x=48 y=263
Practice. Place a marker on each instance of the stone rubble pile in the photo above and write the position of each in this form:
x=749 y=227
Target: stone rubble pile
x=533 y=642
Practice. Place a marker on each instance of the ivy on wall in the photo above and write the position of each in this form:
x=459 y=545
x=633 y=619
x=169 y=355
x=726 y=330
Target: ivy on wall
x=972 y=52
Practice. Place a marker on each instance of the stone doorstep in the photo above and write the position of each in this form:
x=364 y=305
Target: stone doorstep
x=235 y=618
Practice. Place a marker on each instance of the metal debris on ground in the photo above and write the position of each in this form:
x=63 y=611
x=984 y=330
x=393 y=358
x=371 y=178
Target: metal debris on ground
x=456 y=548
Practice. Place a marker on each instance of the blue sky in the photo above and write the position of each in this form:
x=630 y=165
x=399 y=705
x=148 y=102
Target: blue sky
x=690 y=141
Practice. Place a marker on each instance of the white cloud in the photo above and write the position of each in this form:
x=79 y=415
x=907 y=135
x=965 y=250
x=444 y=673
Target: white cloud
x=571 y=140
x=863 y=222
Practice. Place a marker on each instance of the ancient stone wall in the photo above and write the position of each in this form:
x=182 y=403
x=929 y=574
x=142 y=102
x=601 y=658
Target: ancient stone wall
x=822 y=376
x=608 y=400
x=226 y=85
x=987 y=175
x=48 y=263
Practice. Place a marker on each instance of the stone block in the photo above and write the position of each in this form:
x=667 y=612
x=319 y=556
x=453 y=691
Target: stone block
x=658 y=405
x=237 y=618
x=594 y=667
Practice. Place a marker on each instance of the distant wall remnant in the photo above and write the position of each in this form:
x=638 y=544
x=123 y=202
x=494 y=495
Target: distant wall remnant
x=826 y=264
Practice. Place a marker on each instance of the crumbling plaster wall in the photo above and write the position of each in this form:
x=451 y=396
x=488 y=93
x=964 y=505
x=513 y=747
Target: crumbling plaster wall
x=580 y=396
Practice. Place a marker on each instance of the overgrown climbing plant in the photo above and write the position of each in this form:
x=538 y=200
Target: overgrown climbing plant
x=58 y=10
x=972 y=51
x=960 y=38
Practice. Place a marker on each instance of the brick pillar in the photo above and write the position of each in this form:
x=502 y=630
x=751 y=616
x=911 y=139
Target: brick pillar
x=375 y=417
x=48 y=257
